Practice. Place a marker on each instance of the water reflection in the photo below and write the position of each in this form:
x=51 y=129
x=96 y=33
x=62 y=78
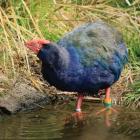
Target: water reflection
x=51 y=123
x=107 y=113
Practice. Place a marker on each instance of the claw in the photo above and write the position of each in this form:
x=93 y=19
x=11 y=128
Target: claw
x=106 y=113
x=76 y=117
x=100 y=111
x=106 y=109
x=79 y=116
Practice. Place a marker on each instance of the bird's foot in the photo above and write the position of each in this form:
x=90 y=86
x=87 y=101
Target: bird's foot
x=107 y=112
x=101 y=111
x=105 y=109
x=76 y=117
x=79 y=115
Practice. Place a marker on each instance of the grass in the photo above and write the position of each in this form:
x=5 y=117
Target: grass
x=50 y=19
x=133 y=97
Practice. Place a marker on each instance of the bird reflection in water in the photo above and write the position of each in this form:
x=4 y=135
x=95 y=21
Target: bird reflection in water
x=107 y=112
x=80 y=118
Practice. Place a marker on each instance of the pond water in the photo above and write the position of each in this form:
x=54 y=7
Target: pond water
x=55 y=122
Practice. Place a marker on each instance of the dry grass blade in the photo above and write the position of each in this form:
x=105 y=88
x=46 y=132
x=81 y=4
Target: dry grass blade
x=128 y=2
x=7 y=40
x=20 y=38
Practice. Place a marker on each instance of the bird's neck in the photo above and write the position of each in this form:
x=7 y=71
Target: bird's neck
x=54 y=56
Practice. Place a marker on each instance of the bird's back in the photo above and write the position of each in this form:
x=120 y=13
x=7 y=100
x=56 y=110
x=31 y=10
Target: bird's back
x=95 y=41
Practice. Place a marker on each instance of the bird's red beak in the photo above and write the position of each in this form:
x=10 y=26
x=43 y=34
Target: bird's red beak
x=36 y=45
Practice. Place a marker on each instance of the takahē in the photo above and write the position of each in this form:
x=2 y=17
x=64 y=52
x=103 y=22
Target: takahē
x=86 y=60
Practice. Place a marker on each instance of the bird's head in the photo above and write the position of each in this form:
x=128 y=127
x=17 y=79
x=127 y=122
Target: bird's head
x=36 y=45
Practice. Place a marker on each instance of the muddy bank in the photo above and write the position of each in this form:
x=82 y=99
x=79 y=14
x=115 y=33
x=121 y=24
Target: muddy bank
x=21 y=95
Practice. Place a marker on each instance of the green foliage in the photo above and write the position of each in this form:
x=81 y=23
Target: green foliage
x=120 y=3
x=133 y=42
x=114 y=3
x=133 y=97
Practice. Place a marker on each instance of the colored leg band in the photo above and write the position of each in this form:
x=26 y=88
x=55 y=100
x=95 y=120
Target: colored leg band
x=78 y=110
x=107 y=103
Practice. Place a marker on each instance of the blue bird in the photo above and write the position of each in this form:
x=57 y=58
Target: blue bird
x=86 y=60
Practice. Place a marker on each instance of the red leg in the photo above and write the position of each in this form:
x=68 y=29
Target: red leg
x=79 y=103
x=107 y=93
x=78 y=115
